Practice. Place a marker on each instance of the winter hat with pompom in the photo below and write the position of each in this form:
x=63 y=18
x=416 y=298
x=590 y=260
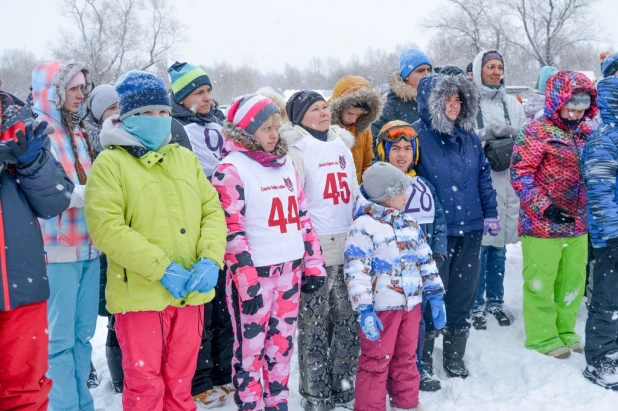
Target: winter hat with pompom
x=185 y=78
x=410 y=60
x=140 y=91
x=250 y=111
x=383 y=181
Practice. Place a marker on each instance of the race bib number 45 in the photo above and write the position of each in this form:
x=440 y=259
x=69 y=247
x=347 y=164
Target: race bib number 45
x=337 y=188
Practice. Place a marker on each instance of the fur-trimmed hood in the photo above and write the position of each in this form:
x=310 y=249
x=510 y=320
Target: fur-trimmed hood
x=433 y=93
x=293 y=133
x=352 y=91
x=399 y=87
x=245 y=140
x=276 y=98
x=49 y=82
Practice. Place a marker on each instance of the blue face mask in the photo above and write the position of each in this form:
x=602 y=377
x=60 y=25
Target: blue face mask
x=150 y=131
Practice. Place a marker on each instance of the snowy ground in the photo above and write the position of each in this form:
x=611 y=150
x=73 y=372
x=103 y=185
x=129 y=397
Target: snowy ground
x=504 y=375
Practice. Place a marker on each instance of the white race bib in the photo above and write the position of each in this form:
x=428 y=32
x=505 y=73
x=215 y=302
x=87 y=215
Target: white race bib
x=420 y=203
x=207 y=142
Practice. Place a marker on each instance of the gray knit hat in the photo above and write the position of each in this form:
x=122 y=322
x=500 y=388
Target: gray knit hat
x=383 y=181
x=102 y=98
x=579 y=101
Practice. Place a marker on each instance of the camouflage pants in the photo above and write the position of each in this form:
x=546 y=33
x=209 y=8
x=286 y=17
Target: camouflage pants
x=328 y=344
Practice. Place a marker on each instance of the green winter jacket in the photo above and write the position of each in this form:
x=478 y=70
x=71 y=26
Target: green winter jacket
x=145 y=209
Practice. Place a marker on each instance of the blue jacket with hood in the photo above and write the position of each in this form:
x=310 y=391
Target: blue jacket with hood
x=452 y=158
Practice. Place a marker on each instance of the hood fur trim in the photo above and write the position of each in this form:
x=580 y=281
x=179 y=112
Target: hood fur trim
x=445 y=87
x=293 y=134
x=240 y=136
x=62 y=78
x=367 y=96
x=276 y=98
x=405 y=92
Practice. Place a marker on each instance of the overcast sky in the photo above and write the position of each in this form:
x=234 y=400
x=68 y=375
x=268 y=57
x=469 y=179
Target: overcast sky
x=265 y=33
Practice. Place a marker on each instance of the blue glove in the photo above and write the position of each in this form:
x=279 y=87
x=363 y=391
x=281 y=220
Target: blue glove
x=28 y=146
x=438 y=312
x=370 y=323
x=204 y=276
x=175 y=280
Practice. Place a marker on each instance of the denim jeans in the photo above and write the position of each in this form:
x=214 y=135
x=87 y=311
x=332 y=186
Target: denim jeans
x=491 y=278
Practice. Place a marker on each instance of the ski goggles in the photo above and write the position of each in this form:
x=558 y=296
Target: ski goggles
x=393 y=131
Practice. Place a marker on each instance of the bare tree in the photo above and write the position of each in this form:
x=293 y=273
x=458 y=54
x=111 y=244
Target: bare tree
x=114 y=36
x=468 y=22
x=545 y=29
x=16 y=71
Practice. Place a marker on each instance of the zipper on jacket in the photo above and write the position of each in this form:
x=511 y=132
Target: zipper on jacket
x=3 y=268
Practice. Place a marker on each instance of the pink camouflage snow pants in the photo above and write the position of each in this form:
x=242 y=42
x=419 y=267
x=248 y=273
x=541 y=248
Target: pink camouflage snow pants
x=266 y=338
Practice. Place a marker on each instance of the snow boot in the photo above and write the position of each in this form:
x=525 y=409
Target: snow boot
x=560 y=353
x=114 y=363
x=605 y=374
x=577 y=347
x=454 y=348
x=283 y=406
x=213 y=398
x=479 y=320
x=428 y=380
x=347 y=405
x=317 y=404
x=501 y=316
x=93 y=379
x=227 y=388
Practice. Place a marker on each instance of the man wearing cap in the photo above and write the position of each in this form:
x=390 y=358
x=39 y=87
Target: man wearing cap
x=401 y=102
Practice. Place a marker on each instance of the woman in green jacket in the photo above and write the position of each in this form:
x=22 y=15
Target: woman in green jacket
x=150 y=208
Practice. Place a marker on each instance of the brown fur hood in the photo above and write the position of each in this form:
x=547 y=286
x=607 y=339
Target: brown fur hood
x=352 y=91
x=405 y=92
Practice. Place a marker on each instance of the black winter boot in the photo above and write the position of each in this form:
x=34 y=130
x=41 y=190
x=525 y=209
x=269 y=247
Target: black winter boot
x=454 y=348
x=429 y=382
x=114 y=362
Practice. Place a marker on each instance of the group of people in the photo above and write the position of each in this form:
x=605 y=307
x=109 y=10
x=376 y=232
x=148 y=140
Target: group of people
x=359 y=228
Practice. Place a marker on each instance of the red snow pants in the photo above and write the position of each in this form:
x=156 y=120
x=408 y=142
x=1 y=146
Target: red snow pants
x=389 y=364
x=23 y=358
x=159 y=356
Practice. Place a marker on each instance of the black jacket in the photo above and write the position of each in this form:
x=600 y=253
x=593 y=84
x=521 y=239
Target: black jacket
x=181 y=116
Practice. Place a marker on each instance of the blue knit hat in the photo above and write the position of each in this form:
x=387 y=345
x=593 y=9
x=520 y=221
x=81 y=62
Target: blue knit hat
x=410 y=59
x=185 y=78
x=609 y=66
x=546 y=73
x=140 y=91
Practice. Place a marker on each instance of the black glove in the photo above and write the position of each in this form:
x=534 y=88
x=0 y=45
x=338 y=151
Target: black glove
x=558 y=215
x=439 y=259
x=311 y=284
x=250 y=307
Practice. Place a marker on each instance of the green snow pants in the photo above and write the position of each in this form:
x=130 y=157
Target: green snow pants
x=554 y=280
